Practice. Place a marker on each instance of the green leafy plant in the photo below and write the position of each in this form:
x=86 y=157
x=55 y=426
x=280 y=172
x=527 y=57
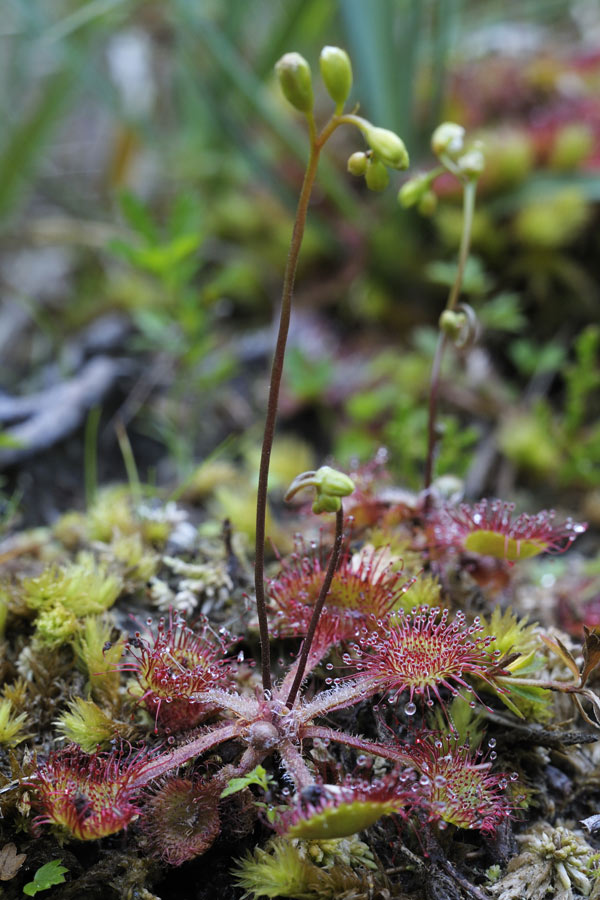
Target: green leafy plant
x=46 y=877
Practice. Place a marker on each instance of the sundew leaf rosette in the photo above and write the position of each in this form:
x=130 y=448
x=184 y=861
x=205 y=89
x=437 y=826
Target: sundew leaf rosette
x=488 y=529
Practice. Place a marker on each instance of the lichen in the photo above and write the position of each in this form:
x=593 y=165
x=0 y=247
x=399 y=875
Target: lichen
x=555 y=862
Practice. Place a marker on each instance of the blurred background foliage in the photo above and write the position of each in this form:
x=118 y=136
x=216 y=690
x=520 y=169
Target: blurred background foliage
x=148 y=174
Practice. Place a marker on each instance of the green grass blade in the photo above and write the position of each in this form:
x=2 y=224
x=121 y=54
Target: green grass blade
x=27 y=139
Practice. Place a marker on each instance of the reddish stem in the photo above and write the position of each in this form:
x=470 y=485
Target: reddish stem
x=306 y=645
x=272 y=404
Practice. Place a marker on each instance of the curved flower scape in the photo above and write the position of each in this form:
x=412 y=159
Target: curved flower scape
x=487 y=528
x=422 y=652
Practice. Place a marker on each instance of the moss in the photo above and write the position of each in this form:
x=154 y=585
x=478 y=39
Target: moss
x=555 y=862
x=55 y=626
x=98 y=656
x=3 y=614
x=11 y=725
x=82 y=587
x=113 y=513
x=425 y=591
x=86 y=725
x=139 y=563
x=288 y=869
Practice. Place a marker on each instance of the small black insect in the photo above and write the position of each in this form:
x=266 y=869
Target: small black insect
x=82 y=806
x=311 y=795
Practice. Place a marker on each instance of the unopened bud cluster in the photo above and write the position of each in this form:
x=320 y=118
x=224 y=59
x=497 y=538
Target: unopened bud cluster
x=448 y=144
x=418 y=192
x=465 y=162
x=295 y=78
x=385 y=148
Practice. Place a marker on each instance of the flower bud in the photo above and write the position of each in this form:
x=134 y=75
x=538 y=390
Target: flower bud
x=329 y=484
x=413 y=190
x=330 y=481
x=452 y=323
x=293 y=73
x=357 y=163
x=336 y=71
x=376 y=176
x=324 y=503
x=448 y=138
x=387 y=145
x=472 y=163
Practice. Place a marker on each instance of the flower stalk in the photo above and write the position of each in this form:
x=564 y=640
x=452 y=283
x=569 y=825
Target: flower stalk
x=306 y=644
x=469 y=192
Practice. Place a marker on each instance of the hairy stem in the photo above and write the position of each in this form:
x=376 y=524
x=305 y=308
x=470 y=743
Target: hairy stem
x=295 y=765
x=465 y=243
x=316 y=145
x=306 y=645
x=170 y=760
x=350 y=740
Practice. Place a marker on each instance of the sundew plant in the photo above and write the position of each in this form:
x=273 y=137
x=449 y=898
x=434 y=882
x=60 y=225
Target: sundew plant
x=374 y=720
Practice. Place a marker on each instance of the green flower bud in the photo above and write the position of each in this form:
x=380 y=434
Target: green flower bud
x=357 y=163
x=387 y=145
x=329 y=484
x=472 y=163
x=336 y=71
x=376 y=176
x=428 y=203
x=330 y=481
x=293 y=73
x=452 y=323
x=413 y=190
x=325 y=503
x=448 y=138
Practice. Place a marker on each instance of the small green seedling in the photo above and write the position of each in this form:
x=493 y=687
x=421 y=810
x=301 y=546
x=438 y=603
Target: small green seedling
x=48 y=875
x=258 y=776
x=262 y=779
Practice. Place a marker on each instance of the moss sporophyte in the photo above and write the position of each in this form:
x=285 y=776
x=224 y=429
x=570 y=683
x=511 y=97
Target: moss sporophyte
x=191 y=686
